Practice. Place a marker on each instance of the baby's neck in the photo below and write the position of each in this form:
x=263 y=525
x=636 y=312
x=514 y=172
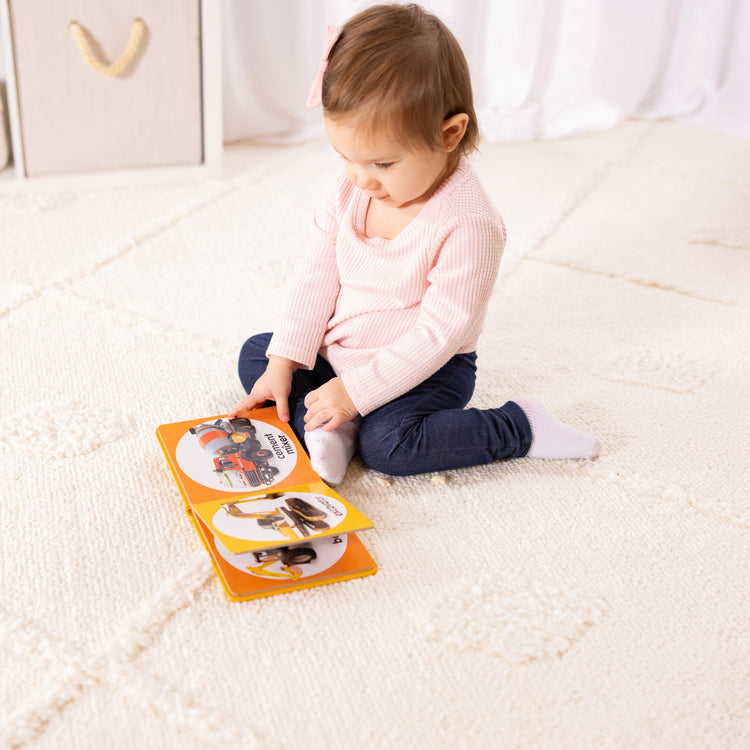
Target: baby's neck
x=388 y=222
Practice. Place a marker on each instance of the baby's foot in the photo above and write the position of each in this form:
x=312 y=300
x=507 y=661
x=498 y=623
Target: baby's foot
x=553 y=438
x=330 y=452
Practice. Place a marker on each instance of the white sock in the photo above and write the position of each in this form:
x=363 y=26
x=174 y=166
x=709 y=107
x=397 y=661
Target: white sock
x=330 y=452
x=553 y=438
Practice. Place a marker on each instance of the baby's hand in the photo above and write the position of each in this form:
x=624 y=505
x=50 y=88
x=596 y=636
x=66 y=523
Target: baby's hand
x=329 y=406
x=274 y=384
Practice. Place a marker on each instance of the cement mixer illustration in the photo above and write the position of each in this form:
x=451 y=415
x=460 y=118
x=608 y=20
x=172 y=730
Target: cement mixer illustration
x=238 y=456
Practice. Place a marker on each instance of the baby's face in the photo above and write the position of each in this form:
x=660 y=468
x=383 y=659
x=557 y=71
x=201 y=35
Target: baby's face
x=397 y=176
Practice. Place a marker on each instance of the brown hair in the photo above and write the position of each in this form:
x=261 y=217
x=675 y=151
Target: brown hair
x=399 y=67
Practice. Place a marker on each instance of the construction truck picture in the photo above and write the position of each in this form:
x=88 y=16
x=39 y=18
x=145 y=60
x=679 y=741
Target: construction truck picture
x=290 y=562
x=289 y=559
x=293 y=517
x=239 y=458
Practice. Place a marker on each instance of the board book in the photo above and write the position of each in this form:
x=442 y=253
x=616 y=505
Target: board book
x=268 y=521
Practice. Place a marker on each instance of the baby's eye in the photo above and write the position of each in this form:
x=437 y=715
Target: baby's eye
x=384 y=164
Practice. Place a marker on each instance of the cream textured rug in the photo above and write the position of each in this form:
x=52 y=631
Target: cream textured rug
x=524 y=605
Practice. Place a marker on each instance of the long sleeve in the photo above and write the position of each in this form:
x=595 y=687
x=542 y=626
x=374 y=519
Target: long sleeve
x=449 y=317
x=313 y=294
x=388 y=313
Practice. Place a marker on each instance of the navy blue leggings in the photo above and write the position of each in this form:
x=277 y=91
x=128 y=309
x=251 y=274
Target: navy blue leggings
x=426 y=429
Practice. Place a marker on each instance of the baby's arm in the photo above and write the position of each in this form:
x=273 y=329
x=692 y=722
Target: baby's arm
x=311 y=299
x=451 y=313
x=301 y=325
x=274 y=384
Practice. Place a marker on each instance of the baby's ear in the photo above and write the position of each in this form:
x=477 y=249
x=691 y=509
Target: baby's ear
x=453 y=130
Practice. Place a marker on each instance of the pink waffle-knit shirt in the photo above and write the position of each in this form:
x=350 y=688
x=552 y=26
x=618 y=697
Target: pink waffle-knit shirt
x=387 y=314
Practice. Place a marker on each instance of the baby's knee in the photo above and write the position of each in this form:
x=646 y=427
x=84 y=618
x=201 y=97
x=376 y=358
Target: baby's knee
x=255 y=347
x=385 y=463
x=383 y=450
x=252 y=361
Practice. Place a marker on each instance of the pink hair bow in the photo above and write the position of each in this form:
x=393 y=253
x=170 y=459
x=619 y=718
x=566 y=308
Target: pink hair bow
x=316 y=90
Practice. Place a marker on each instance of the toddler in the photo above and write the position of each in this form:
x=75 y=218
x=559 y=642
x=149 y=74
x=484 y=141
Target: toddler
x=376 y=347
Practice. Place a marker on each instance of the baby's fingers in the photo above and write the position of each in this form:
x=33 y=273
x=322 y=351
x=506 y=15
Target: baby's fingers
x=249 y=402
x=325 y=418
x=282 y=407
x=335 y=421
x=313 y=420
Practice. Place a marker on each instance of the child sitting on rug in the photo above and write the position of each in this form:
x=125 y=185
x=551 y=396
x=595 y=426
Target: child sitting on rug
x=376 y=347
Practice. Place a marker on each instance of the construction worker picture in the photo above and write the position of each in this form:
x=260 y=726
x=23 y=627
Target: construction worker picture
x=288 y=563
x=279 y=516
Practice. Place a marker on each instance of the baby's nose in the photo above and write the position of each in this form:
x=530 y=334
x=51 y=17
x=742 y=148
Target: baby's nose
x=368 y=182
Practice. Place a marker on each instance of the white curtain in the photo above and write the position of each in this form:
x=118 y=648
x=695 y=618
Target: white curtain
x=541 y=68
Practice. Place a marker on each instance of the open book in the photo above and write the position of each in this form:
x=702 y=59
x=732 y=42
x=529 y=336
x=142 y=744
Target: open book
x=266 y=518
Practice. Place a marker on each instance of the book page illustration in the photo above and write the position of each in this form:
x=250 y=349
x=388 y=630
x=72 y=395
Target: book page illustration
x=236 y=454
x=250 y=574
x=266 y=518
x=279 y=517
x=288 y=563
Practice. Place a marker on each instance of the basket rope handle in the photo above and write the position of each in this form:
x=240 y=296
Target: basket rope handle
x=131 y=49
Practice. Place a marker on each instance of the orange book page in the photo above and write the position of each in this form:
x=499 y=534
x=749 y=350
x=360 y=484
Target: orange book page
x=251 y=483
x=216 y=459
x=251 y=575
x=273 y=519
